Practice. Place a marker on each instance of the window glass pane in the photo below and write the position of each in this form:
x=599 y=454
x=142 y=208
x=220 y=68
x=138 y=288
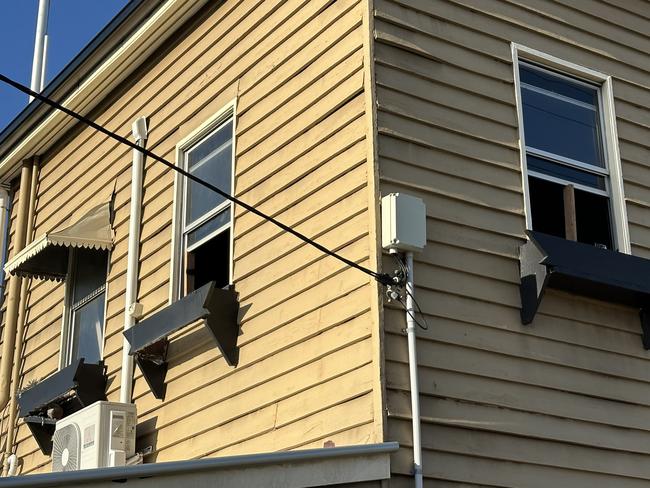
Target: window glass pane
x=88 y=325
x=89 y=272
x=219 y=220
x=561 y=127
x=564 y=172
x=210 y=160
x=562 y=86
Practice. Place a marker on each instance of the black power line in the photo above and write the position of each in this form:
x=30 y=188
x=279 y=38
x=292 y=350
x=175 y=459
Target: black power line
x=382 y=278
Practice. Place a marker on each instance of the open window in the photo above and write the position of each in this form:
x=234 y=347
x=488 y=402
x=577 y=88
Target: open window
x=573 y=188
x=201 y=254
x=570 y=161
x=204 y=219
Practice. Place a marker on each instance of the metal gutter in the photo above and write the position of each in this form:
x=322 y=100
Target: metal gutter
x=124 y=473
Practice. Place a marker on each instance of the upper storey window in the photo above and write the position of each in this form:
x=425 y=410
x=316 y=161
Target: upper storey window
x=565 y=144
x=205 y=218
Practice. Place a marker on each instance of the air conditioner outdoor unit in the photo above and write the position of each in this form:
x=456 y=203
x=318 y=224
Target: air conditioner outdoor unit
x=100 y=435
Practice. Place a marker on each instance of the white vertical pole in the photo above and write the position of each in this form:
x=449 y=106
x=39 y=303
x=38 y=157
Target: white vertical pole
x=39 y=46
x=44 y=64
x=413 y=372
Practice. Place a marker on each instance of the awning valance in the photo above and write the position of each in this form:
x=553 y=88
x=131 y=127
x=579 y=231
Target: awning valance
x=47 y=256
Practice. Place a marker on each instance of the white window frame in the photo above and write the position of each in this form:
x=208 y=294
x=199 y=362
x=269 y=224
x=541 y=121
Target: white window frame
x=65 y=347
x=178 y=215
x=611 y=154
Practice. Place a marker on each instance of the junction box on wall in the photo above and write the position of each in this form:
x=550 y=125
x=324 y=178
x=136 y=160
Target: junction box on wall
x=403 y=223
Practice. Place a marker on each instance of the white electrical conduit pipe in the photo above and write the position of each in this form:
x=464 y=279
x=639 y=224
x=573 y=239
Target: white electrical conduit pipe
x=413 y=372
x=12 y=463
x=139 y=130
x=22 y=316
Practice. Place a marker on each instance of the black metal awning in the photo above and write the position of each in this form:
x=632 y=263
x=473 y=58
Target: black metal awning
x=549 y=261
x=73 y=388
x=217 y=307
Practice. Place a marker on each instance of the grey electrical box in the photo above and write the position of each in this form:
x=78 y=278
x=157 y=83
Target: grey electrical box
x=403 y=223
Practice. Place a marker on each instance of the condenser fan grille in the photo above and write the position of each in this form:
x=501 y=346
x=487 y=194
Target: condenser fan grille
x=65 y=449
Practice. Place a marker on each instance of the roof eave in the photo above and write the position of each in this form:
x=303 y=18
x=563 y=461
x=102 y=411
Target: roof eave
x=107 y=61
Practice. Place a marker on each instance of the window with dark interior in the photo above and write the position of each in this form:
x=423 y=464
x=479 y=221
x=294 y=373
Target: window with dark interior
x=206 y=216
x=567 y=170
x=83 y=333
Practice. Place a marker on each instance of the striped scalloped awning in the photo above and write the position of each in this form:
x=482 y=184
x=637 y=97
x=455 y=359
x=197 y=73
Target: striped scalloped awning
x=46 y=257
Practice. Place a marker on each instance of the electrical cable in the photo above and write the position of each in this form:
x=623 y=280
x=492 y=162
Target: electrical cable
x=410 y=314
x=382 y=278
x=404 y=274
x=417 y=305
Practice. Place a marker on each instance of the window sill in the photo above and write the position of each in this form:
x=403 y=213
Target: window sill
x=549 y=261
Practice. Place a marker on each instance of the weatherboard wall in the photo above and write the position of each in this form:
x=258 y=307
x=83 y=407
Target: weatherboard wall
x=308 y=370
x=564 y=401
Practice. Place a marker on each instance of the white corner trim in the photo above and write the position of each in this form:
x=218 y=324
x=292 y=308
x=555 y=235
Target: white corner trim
x=112 y=71
x=610 y=139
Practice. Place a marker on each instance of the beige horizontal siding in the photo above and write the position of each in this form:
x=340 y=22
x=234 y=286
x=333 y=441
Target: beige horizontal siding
x=562 y=402
x=307 y=366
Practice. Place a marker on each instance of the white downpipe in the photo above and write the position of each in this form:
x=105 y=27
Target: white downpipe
x=12 y=462
x=413 y=372
x=39 y=46
x=139 y=130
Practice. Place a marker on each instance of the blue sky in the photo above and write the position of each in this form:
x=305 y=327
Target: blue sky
x=72 y=24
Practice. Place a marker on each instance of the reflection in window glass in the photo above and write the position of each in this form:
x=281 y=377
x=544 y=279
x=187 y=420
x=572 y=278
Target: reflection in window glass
x=554 y=125
x=211 y=161
x=88 y=326
x=546 y=80
x=216 y=222
x=565 y=172
x=85 y=329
